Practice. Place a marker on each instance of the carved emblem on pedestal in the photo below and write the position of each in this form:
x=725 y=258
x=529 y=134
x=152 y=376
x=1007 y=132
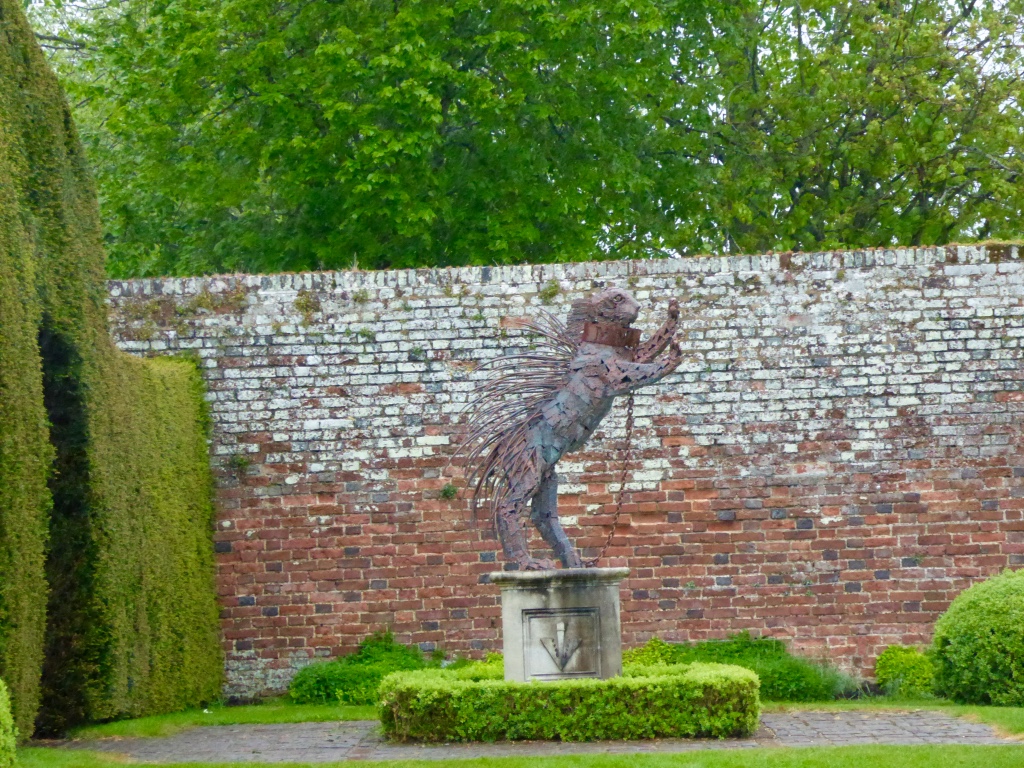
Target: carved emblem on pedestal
x=560 y=643
x=561 y=648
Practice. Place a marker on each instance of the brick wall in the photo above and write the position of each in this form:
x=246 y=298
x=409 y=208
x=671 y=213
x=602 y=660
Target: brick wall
x=839 y=455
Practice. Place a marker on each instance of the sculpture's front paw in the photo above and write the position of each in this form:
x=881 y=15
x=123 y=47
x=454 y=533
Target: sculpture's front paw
x=673 y=310
x=675 y=357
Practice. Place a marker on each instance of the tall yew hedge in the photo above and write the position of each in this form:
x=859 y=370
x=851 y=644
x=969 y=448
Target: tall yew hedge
x=107 y=604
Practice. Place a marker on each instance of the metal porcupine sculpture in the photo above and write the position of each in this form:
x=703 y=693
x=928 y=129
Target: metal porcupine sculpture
x=545 y=403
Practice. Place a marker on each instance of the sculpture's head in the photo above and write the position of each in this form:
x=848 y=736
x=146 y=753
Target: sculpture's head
x=612 y=305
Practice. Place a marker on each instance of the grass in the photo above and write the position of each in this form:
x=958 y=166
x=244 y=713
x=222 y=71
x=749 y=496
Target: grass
x=271 y=711
x=1008 y=721
x=814 y=757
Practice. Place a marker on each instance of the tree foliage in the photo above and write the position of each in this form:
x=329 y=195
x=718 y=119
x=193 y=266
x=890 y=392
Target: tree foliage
x=256 y=136
x=867 y=124
x=248 y=134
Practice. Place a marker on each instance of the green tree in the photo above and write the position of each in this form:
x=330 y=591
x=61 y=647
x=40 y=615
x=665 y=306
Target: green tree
x=845 y=124
x=258 y=136
x=255 y=135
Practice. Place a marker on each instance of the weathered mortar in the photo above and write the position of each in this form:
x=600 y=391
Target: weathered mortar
x=837 y=458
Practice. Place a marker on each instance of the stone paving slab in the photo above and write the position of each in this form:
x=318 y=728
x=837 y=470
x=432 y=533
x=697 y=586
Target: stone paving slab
x=361 y=740
x=818 y=729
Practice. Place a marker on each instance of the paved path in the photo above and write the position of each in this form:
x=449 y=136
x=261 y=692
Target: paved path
x=360 y=740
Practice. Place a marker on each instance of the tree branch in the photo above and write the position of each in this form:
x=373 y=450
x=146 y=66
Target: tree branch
x=65 y=42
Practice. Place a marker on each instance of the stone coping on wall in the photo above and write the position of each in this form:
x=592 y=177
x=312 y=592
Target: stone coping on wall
x=959 y=259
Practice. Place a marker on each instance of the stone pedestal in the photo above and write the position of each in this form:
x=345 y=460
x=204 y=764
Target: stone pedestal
x=561 y=624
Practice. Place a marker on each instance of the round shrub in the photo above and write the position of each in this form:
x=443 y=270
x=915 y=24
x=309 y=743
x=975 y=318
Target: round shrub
x=8 y=733
x=979 y=644
x=904 y=671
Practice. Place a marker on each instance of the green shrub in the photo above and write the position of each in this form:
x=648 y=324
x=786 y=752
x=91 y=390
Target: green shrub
x=107 y=599
x=8 y=733
x=381 y=648
x=358 y=683
x=783 y=677
x=354 y=679
x=27 y=101
x=708 y=700
x=904 y=672
x=979 y=644
x=133 y=624
x=786 y=678
x=317 y=683
x=654 y=651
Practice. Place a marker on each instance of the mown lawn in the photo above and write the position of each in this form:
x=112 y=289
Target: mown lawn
x=824 y=757
x=271 y=711
x=1008 y=720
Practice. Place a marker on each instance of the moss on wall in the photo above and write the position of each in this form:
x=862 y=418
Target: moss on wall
x=132 y=621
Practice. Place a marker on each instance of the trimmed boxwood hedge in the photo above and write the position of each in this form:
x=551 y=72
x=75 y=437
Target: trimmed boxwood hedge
x=105 y=489
x=690 y=700
x=133 y=626
x=25 y=452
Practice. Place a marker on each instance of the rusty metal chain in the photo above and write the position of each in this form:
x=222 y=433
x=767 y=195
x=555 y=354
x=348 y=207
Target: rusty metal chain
x=622 y=482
